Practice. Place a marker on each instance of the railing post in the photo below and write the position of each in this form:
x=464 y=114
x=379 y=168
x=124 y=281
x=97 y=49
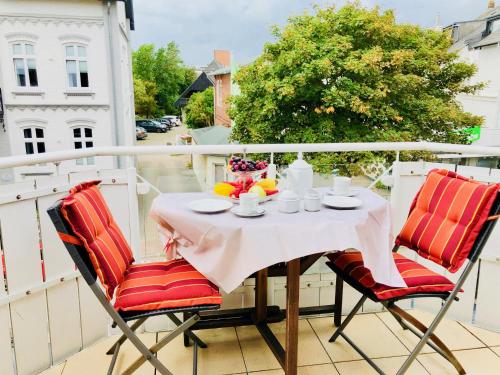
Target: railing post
x=135 y=236
x=396 y=185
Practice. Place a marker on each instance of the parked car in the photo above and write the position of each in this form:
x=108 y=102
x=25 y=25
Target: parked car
x=151 y=126
x=175 y=119
x=165 y=121
x=140 y=133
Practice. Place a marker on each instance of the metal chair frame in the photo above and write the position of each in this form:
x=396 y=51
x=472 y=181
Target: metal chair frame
x=425 y=334
x=82 y=260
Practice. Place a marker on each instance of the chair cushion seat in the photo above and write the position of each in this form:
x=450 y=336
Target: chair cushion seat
x=160 y=285
x=418 y=278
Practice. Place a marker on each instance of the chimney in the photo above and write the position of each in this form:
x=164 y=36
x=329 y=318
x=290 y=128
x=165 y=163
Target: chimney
x=223 y=57
x=491 y=4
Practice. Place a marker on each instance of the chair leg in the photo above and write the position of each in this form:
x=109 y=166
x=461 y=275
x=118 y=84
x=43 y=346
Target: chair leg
x=435 y=342
x=395 y=316
x=188 y=333
x=440 y=315
x=339 y=292
x=123 y=337
x=143 y=349
x=348 y=319
x=160 y=344
x=187 y=340
x=195 y=358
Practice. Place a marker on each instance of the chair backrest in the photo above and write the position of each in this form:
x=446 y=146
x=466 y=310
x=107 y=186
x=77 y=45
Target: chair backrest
x=446 y=217
x=84 y=221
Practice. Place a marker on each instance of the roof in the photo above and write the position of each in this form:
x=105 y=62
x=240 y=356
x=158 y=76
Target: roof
x=472 y=33
x=493 y=38
x=213 y=66
x=200 y=84
x=212 y=135
x=221 y=71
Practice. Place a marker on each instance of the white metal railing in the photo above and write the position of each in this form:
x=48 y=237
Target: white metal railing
x=58 y=156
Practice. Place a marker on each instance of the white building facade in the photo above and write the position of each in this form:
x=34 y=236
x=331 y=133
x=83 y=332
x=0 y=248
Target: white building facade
x=65 y=79
x=478 y=41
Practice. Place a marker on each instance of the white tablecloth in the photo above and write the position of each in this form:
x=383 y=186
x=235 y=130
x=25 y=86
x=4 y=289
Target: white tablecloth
x=227 y=249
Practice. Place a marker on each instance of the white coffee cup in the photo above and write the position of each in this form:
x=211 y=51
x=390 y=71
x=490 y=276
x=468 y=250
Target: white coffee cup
x=341 y=185
x=312 y=200
x=249 y=203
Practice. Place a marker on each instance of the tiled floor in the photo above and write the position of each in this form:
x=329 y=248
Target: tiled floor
x=242 y=350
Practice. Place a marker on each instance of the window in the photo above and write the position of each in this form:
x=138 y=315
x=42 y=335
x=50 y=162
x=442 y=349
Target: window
x=76 y=66
x=34 y=140
x=83 y=138
x=25 y=64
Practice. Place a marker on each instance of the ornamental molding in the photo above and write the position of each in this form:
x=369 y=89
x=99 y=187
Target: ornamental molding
x=74 y=38
x=22 y=123
x=13 y=18
x=21 y=36
x=81 y=121
x=57 y=107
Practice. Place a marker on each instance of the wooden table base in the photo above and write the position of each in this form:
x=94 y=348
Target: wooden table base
x=262 y=314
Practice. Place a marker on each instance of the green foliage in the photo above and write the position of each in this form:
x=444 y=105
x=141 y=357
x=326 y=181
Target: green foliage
x=352 y=75
x=200 y=109
x=144 y=94
x=164 y=68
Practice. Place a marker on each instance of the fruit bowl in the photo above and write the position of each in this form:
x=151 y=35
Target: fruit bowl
x=249 y=178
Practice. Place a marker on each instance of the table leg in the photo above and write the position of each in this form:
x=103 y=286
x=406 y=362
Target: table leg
x=292 y=316
x=261 y=296
x=339 y=291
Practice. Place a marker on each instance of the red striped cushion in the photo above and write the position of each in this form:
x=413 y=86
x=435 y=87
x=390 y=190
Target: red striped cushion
x=418 y=278
x=160 y=285
x=446 y=216
x=91 y=221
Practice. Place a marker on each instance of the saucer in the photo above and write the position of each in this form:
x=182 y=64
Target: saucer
x=352 y=192
x=342 y=203
x=258 y=212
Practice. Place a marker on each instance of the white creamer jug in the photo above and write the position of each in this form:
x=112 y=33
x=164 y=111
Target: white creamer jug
x=300 y=176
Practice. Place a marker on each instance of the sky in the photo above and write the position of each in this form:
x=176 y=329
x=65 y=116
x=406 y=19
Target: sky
x=243 y=26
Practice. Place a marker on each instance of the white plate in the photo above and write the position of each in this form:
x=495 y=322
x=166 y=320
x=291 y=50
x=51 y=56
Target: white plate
x=210 y=206
x=352 y=192
x=343 y=203
x=237 y=211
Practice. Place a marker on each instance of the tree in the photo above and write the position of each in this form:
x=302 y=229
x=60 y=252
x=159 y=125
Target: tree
x=164 y=68
x=352 y=75
x=144 y=95
x=200 y=109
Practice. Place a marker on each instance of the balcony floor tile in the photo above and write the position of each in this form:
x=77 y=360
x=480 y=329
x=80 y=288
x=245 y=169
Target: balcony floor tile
x=475 y=362
x=242 y=350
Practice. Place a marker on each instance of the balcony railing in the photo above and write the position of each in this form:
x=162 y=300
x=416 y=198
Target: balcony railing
x=47 y=312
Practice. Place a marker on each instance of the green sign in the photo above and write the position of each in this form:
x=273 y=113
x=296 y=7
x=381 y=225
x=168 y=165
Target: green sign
x=474 y=133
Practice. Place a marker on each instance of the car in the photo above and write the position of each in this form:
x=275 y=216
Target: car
x=151 y=126
x=176 y=121
x=140 y=133
x=165 y=121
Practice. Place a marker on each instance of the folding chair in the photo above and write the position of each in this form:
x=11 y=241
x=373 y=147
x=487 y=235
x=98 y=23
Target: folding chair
x=99 y=250
x=449 y=222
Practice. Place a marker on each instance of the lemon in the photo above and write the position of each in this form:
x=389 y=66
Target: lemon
x=224 y=189
x=258 y=190
x=267 y=183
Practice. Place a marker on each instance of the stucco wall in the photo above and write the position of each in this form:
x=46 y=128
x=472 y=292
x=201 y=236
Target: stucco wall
x=106 y=105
